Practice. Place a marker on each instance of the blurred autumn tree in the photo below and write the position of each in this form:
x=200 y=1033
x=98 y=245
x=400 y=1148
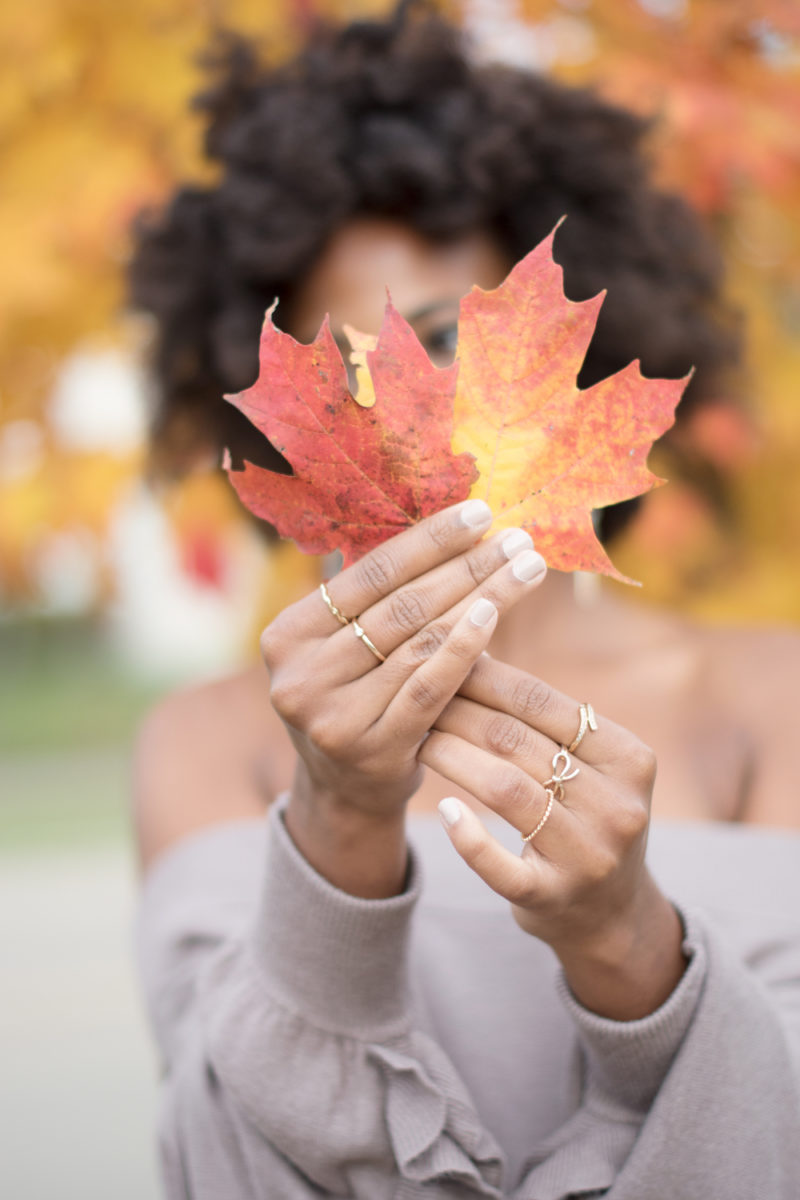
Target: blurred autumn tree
x=721 y=80
x=94 y=125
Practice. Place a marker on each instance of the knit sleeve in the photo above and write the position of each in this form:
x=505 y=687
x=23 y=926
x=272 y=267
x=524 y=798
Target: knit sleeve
x=294 y=1069
x=699 y=1099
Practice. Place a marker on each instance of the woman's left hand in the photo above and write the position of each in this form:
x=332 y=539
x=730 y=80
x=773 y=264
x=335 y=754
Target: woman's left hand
x=580 y=884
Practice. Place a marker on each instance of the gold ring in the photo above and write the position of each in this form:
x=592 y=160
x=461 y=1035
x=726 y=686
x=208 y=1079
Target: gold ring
x=554 y=786
x=359 y=632
x=550 y=798
x=337 y=612
x=587 y=721
x=560 y=774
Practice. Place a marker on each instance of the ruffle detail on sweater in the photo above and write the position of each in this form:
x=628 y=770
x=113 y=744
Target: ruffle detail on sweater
x=381 y=1114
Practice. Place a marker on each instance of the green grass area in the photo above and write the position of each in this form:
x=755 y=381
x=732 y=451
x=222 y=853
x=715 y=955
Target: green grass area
x=68 y=713
x=61 y=686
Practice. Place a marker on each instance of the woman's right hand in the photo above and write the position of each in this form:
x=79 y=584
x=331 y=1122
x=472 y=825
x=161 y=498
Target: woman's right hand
x=429 y=600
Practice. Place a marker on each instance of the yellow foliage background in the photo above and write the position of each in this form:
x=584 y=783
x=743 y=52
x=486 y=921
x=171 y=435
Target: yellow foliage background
x=94 y=125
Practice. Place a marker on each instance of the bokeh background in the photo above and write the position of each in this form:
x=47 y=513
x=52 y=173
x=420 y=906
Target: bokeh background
x=112 y=591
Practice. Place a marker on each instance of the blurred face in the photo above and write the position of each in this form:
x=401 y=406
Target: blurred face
x=426 y=281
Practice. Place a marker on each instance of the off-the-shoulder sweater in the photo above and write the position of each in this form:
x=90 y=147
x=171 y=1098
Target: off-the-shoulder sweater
x=319 y=1045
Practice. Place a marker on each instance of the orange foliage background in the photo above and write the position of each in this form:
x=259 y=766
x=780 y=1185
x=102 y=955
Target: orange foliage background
x=94 y=124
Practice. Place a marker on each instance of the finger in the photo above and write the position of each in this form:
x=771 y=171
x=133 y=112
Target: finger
x=543 y=708
x=513 y=741
x=424 y=694
x=506 y=789
x=505 y=587
x=505 y=737
x=393 y=620
x=516 y=878
x=397 y=561
x=592 y=809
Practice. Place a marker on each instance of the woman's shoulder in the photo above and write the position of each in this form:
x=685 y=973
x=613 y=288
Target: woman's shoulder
x=752 y=673
x=729 y=691
x=751 y=667
x=743 y=643
x=204 y=755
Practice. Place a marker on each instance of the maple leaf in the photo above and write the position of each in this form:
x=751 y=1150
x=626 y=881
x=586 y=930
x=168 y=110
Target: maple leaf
x=540 y=450
x=547 y=451
x=543 y=452
x=362 y=472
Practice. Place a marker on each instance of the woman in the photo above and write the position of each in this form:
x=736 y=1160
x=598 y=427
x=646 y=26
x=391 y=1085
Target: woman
x=328 y=1026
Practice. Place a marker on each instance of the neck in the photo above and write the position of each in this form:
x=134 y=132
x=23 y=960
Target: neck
x=541 y=619
x=572 y=623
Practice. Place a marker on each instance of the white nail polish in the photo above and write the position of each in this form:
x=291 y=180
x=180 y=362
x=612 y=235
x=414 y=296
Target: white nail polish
x=450 y=811
x=515 y=541
x=482 y=612
x=475 y=513
x=528 y=566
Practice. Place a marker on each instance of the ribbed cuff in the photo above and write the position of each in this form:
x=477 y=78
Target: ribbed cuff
x=338 y=959
x=628 y=1060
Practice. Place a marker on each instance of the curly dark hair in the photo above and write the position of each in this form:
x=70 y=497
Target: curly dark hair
x=392 y=118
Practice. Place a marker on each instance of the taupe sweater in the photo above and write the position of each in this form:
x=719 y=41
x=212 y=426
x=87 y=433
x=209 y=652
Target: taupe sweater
x=315 y=1044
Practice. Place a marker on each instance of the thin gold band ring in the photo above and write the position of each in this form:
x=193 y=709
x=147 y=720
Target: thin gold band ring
x=550 y=798
x=359 y=632
x=337 y=612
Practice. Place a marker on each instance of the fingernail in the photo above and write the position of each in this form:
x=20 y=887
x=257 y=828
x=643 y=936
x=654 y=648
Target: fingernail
x=482 y=612
x=475 y=513
x=516 y=540
x=449 y=811
x=528 y=566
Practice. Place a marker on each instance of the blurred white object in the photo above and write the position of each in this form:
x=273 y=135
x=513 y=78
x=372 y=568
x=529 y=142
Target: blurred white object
x=669 y=9
x=66 y=570
x=99 y=403
x=168 y=626
x=501 y=35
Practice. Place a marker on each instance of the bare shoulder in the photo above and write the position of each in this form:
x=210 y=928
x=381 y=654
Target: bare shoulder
x=753 y=672
x=758 y=662
x=204 y=755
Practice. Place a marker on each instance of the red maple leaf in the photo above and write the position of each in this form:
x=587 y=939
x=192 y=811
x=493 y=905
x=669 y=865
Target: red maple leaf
x=360 y=474
x=543 y=452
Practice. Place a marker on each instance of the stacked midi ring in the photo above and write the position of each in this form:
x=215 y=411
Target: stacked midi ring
x=562 y=766
x=337 y=612
x=554 y=786
x=359 y=632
